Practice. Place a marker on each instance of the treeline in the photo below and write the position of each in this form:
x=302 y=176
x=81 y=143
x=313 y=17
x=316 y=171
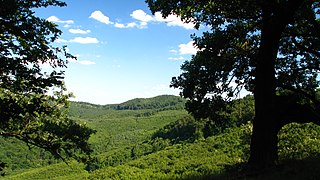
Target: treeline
x=148 y=107
x=168 y=145
x=164 y=102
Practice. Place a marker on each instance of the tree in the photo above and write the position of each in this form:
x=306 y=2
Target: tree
x=264 y=46
x=34 y=103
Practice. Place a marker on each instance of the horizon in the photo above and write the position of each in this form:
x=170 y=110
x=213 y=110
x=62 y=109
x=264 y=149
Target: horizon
x=124 y=52
x=126 y=100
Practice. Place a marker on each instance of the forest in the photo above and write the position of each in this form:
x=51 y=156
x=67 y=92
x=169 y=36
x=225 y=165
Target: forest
x=268 y=48
x=165 y=142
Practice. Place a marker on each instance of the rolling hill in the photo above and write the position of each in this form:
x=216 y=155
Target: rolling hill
x=155 y=138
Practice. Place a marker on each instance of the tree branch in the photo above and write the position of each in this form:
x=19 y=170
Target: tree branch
x=307 y=49
x=300 y=91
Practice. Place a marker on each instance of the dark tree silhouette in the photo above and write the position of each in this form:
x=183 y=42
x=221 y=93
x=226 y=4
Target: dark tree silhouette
x=33 y=103
x=265 y=46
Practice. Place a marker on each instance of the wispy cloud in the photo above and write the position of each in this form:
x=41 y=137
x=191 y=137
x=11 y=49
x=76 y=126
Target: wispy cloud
x=81 y=40
x=180 y=58
x=128 y=25
x=85 y=40
x=55 y=19
x=87 y=62
x=79 y=31
x=99 y=16
x=59 y=40
x=173 y=51
x=83 y=62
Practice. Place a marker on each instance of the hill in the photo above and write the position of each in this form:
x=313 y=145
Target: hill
x=163 y=102
x=217 y=157
x=151 y=105
x=157 y=142
x=115 y=128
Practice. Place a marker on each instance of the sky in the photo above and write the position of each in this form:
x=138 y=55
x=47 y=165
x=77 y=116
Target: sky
x=123 y=51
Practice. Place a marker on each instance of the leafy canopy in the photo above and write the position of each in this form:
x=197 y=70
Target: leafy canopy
x=228 y=52
x=33 y=103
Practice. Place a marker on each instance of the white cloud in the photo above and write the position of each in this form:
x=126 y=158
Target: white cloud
x=173 y=20
x=85 y=40
x=67 y=26
x=81 y=40
x=141 y=25
x=142 y=19
x=141 y=16
x=129 y=25
x=79 y=31
x=176 y=58
x=44 y=65
x=173 y=51
x=119 y=25
x=55 y=19
x=188 y=48
x=72 y=60
x=59 y=40
x=99 y=16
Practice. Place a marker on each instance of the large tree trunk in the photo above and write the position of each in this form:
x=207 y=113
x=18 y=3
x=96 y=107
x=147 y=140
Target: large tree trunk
x=264 y=138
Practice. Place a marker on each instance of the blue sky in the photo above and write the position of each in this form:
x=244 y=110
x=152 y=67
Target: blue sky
x=123 y=51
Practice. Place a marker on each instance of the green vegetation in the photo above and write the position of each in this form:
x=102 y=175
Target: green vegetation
x=262 y=46
x=33 y=100
x=170 y=144
x=156 y=138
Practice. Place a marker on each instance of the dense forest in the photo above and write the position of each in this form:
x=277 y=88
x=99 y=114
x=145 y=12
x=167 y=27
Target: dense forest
x=160 y=140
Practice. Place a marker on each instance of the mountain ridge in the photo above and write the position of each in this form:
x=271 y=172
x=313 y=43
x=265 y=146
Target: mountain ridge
x=160 y=98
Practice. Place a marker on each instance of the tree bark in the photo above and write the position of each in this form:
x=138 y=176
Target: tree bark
x=264 y=139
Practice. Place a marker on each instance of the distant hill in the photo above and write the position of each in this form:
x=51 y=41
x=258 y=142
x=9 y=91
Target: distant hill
x=165 y=102
x=158 y=103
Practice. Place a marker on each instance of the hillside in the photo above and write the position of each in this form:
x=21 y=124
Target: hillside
x=149 y=105
x=164 y=102
x=115 y=128
x=167 y=143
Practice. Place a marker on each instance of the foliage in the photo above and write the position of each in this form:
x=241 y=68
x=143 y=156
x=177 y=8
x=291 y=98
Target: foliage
x=19 y=157
x=182 y=130
x=262 y=46
x=164 y=102
x=224 y=63
x=72 y=170
x=33 y=102
x=227 y=57
x=160 y=153
x=299 y=141
x=182 y=161
x=148 y=107
x=217 y=157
